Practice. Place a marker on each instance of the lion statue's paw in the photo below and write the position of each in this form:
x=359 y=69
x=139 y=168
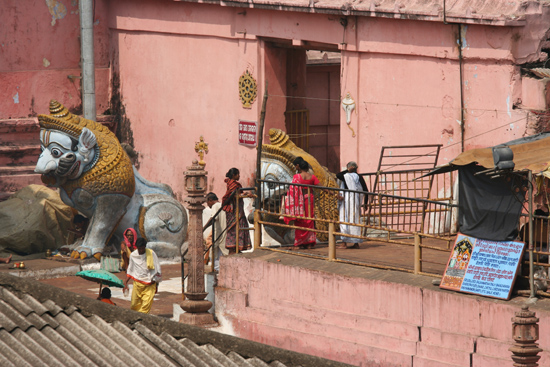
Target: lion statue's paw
x=83 y=252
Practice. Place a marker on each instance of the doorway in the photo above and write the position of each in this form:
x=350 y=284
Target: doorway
x=305 y=83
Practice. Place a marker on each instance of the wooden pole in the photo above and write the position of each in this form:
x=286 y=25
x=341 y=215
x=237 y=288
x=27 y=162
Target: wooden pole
x=259 y=150
x=257 y=230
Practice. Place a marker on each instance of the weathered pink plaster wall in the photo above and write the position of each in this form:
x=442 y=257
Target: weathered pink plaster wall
x=170 y=72
x=170 y=111
x=362 y=316
x=179 y=64
x=40 y=49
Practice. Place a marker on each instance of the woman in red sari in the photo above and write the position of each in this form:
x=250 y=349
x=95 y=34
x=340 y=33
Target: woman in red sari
x=230 y=208
x=300 y=203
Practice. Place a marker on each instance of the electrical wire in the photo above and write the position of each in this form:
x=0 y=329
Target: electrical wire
x=397 y=104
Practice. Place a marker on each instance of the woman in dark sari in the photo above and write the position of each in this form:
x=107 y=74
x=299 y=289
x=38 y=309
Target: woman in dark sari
x=231 y=207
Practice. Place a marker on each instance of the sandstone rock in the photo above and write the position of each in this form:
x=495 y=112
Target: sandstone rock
x=33 y=220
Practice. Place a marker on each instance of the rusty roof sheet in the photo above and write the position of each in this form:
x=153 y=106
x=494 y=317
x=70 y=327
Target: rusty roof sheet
x=532 y=153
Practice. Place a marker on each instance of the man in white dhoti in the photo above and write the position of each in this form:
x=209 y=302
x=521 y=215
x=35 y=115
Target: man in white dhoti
x=218 y=228
x=144 y=270
x=350 y=204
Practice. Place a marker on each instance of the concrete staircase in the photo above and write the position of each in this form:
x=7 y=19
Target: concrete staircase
x=19 y=151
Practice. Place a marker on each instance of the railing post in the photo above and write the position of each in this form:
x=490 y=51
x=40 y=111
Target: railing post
x=237 y=212
x=331 y=242
x=531 y=257
x=257 y=229
x=417 y=254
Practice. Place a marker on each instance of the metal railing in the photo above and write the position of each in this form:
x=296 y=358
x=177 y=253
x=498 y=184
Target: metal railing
x=541 y=250
x=425 y=225
x=379 y=219
x=211 y=249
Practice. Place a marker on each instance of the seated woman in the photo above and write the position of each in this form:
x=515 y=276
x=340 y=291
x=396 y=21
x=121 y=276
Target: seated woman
x=105 y=296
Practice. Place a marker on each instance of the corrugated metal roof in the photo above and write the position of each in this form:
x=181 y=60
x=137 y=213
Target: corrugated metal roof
x=42 y=334
x=35 y=333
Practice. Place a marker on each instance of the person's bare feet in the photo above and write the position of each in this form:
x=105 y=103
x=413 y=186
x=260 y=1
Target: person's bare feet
x=7 y=259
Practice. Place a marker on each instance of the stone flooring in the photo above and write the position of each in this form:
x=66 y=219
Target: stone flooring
x=386 y=255
x=61 y=273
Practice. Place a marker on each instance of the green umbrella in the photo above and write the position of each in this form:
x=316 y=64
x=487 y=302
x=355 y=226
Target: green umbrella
x=103 y=277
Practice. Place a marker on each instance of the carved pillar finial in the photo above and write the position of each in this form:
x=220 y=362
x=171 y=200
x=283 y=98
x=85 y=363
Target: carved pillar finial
x=201 y=147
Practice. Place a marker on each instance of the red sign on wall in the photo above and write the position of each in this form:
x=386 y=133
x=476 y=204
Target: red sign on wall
x=248 y=133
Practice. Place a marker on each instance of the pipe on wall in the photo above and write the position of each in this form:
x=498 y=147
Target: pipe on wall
x=461 y=76
x=86 y=13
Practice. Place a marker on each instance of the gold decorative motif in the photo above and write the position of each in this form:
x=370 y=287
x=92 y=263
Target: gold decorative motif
x=247 y=89
x=112 y=173
x=201 y=147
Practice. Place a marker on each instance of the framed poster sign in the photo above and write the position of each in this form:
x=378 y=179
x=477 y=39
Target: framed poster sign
x=486 y=268
x=248 y=133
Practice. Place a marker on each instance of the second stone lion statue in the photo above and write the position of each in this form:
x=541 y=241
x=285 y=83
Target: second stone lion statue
x=95 y=176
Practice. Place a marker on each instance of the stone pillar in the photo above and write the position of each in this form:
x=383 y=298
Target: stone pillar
x=525 y=332
x=195 y=304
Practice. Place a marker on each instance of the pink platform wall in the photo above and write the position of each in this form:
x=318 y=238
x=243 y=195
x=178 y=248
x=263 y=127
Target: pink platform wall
x=364 y=316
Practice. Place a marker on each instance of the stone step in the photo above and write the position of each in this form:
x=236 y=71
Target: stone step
x=451 y=356
x=18 y=130
x=13 y=183
x=17 y=155
x=16 y=170
x=426 y=362
x=444 y=339
x=479 y=359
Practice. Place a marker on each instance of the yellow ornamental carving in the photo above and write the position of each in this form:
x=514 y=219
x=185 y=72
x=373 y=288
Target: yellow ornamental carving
x=247 y=89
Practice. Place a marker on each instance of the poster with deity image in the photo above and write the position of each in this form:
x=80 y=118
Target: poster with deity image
x=486 y=268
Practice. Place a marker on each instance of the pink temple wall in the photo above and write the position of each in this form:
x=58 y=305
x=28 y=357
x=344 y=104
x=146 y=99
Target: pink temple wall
x=364 y=317
x=403 y=75
x=179 y=63
x=40 y=49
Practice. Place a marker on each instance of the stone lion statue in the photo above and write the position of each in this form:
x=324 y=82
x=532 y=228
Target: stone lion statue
x=95 y=176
